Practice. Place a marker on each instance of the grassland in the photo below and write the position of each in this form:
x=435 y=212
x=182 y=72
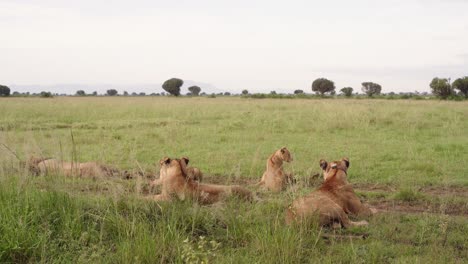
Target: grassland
x=407 y=159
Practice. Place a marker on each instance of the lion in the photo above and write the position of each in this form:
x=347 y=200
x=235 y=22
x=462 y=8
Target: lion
x=176 y=183
x=332 y=202
x=274 y=178
x=192 y=173
x=44 y=166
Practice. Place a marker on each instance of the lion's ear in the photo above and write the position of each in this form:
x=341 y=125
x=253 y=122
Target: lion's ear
x=186 y=159
x=183 y=167
x=164 y=160
x=283 y=149
x=346 y=161
x=323 y=164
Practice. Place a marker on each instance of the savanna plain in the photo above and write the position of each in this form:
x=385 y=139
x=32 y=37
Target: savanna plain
x=408 y=159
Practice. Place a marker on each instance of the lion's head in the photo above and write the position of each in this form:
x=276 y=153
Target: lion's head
x=173 y=167
x=334 y=168
x=284 y=154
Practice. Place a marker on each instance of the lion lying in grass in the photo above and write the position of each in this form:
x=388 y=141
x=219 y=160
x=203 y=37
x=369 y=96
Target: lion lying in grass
x=176 y=182
x=192 y=173
x=332 y=202
x=44 y=166
x=274 y=178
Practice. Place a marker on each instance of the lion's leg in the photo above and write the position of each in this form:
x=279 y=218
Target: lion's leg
x=345 y=222
x=262 y=181
x=161 y=197
x=156 y=182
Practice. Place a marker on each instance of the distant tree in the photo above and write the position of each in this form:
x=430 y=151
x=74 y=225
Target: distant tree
x=371 y=88
x=322 y=86
x=46 y=94
x=227 y=94
x=441 y=87
x=142 y=94
x=125 y=93
x=16 y=93
x=298 y=91
x=172 y=86
x=461 y=84
x=112 y=92
x=80 y=93
x=4 y=90
x=94 y=93
x=203 y=94
x=347 y=91
x=245 y=92
x=134 y=94
x=188 y=94
x=194 y=90
x=273 y=92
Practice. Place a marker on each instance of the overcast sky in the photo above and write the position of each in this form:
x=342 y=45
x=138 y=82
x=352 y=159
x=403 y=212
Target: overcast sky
x=234 y=45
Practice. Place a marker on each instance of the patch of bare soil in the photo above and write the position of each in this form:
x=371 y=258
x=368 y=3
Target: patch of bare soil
x=457 y=191
x=460 y=209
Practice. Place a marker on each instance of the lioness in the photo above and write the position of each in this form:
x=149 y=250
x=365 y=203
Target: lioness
x=192 y=173
x=176 y=182
x=43 y=166
x=274 y=178
x=332 y=201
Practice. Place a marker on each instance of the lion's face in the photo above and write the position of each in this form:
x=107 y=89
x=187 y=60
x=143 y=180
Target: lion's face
x=170 y=167
x=285 y=154
x=331 y=168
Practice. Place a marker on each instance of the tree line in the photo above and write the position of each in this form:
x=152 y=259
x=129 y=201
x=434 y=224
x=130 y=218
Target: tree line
x=440 y=87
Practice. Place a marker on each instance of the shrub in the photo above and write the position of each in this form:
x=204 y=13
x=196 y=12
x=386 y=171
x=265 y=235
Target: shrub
x=298 y=91
x=46 y=95
x=245 y=92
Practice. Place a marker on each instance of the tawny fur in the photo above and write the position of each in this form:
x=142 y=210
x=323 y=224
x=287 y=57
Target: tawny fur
x=44 y=166
x=274 y=178
x=332 y=202
x=177 y=184
x=192 y=173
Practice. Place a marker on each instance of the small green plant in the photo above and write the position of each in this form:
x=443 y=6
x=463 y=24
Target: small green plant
x=408 y=195
x=201 y=252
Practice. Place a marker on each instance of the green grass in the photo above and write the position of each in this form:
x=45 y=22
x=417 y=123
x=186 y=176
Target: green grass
x=403 y=144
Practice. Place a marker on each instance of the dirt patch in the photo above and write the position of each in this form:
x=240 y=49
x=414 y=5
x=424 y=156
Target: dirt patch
x=460 y=209
x=459 y=191
x=371 y=187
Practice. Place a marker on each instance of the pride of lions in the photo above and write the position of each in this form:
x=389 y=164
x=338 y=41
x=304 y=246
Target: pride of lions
x=329 y=205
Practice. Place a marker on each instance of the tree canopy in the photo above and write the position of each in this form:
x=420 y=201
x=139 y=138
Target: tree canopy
x=461 y=84
x=323 y=85
x=441 y=87
x=347 y=91
x=172 y=86
x=194 y=90
x=4 y=90
x=371 y=88
x=112 y=92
